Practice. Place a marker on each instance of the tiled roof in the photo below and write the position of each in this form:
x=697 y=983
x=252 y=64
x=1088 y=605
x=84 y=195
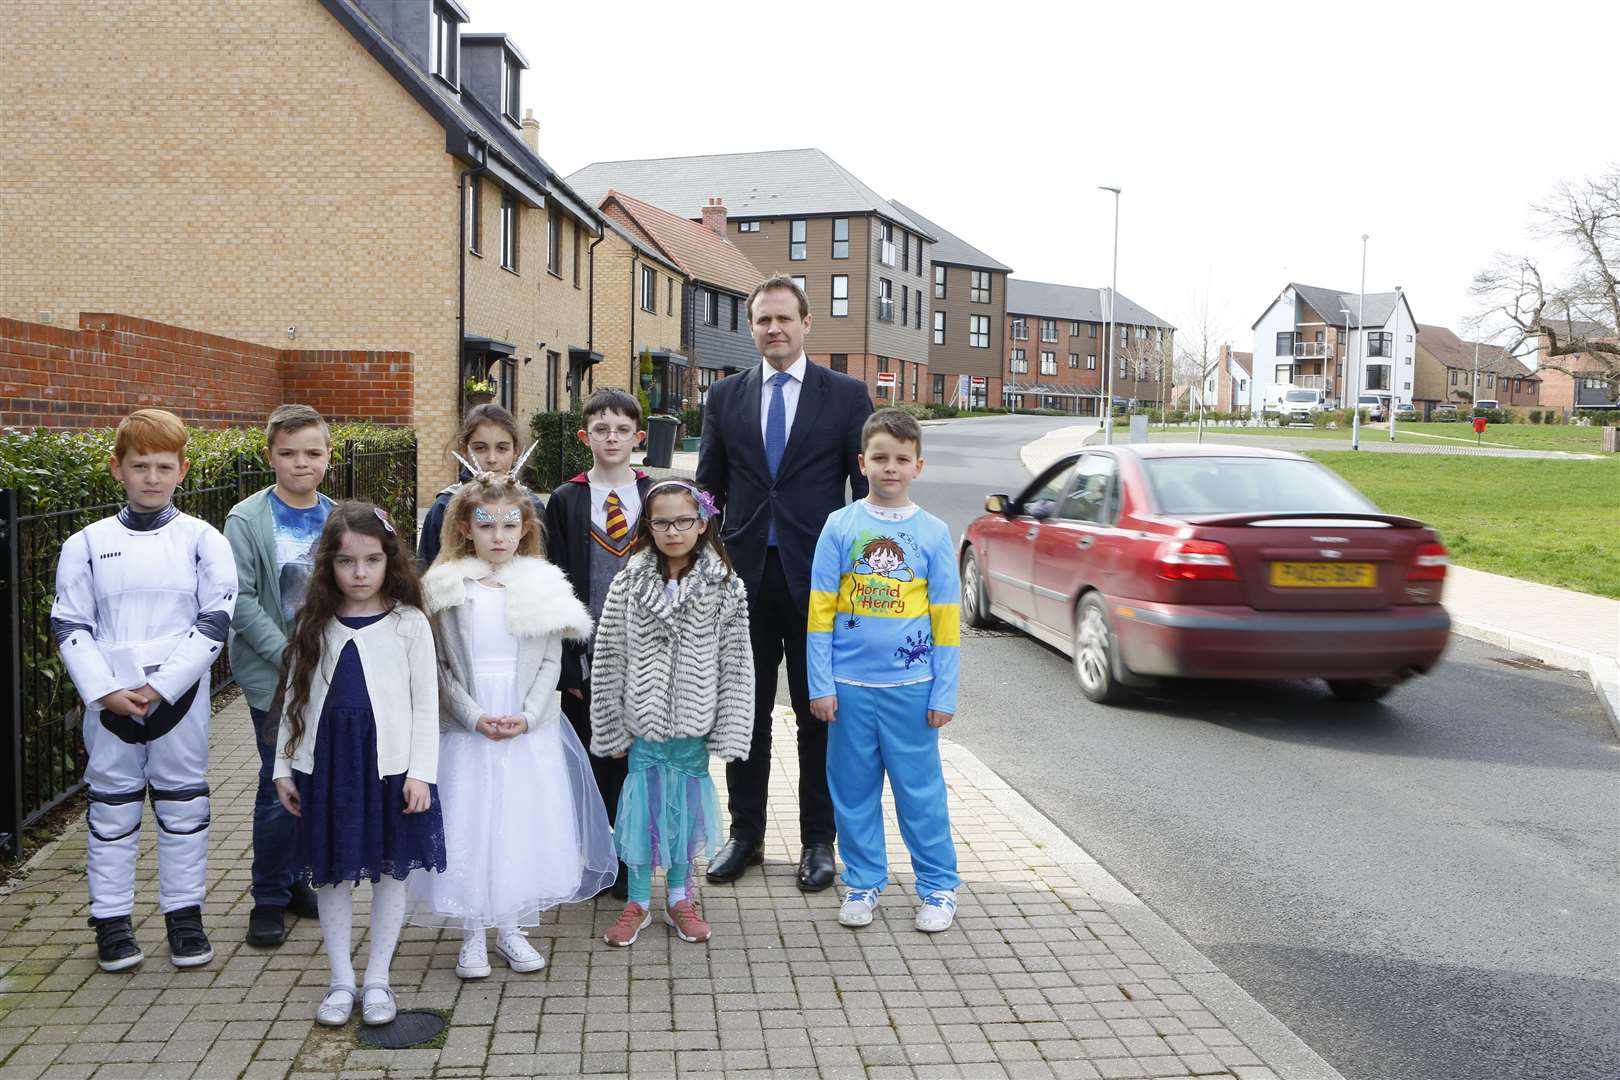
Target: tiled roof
x=1453 y=352
x=767 y=184
x=950 y=248
x=701 y=252
x=641 y=242
x=1328 y=302
x=1075 y=303
x=1244 y=360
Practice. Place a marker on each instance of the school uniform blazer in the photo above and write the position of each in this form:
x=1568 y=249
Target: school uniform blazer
x=402 y=681
x=822 y=456
x=567 y=518
x=541 y=612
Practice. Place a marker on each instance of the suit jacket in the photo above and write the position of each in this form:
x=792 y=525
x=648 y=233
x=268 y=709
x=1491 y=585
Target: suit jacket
x=567 y=519
x=822 y=455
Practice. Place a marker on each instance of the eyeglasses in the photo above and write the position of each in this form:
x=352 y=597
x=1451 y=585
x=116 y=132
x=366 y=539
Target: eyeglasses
x=680 y=524
x=603 y=432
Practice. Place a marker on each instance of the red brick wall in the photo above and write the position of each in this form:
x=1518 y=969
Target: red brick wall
x=94 y=376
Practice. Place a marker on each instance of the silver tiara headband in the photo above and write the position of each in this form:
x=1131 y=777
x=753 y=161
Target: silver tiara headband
x=490 y=475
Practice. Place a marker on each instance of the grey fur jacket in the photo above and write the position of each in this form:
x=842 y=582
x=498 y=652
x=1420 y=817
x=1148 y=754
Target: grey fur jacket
x=673 y=667
x=541 y=610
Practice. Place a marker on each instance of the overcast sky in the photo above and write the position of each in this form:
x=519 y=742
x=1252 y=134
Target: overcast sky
x=1255 y=143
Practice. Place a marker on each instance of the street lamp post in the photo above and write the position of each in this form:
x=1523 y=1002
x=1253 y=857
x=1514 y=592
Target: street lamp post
x=1108 y=352
x=1344 y=344
x=1361 y=333
x=1394 y=369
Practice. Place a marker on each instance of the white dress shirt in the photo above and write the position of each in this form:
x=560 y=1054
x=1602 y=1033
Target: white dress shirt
x=629 y=501
x=790 y=394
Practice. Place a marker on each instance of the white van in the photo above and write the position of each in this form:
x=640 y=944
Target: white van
x=1295 y=403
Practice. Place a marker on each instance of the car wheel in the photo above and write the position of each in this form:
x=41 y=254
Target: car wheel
x=1094 y=652
x=975 y=604
x=1359 y=691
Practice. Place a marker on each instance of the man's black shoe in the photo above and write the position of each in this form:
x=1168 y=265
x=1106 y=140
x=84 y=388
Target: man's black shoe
x=621 y=884
x=816 y=867
x=302 y=902
x=116 y=948
x=267 y=926
x=734 y=859
x=188 y=944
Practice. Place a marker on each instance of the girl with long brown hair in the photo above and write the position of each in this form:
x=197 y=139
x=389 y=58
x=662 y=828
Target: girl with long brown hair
x=358 y=746
x=489 y=440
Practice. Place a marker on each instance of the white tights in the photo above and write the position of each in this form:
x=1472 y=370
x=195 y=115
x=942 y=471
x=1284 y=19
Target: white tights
x=337 y=929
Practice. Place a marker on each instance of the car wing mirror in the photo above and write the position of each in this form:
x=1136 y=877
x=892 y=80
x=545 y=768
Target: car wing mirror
x=997 y=504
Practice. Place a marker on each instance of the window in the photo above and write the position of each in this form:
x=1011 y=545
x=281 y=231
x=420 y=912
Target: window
x=1490 y=382
x=1285 y=343
x=1048 y=329
x=939 y=388
x=669 y=293
x=918 y=323
x=939 y=328
x=1074 y=361
x=1091 y=498
x=1409 y=386
x=796 y=240
x=748 y=226
x=799 y=281
x=1048 y=363
x=839 y=362
x=577 y=259
x=885 y=309
x=885 y=243
x=509 y=86
x=979 y=332
x=1091 y=361
x=735 y=304
x=1377 y=376
x=1124 y=368
x=915 y=367
x=1091 y=330
x=840 y=295
x=939 y=282
x=905 y=251
x=553 y=362
x=442 y=46
x=919 y=257
x=509 y=227
x=1019 y=364
x=554 y=243
x=979 y=287
x=1380 y=343
x=1285 y=374
x=1124 y=336
x=1409 y=339
x=711 y=306
x=840 y=238
x=475 y=215
x=1019 y=331
x=649 y=289
x=905 y=309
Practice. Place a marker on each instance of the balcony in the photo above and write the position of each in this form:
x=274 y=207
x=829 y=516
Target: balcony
x=1312 y=350
x=1314 y=382
x=885 y=311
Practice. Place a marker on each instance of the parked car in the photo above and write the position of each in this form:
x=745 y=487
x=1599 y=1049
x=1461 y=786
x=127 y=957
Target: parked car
x=1444 y=413
x=1214 y=562
x=1406 y=411
x=1374 y=404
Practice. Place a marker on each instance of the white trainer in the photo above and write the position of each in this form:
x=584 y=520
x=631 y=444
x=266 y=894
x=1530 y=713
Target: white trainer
x=857 y=907
x=473 y=963
x=520 y=955
x=938 y=912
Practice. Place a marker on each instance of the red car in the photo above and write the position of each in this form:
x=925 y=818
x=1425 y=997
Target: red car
x=1209 y=562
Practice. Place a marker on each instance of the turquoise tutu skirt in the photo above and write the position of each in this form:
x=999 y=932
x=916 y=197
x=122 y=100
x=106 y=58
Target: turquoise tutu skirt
x=668 y=810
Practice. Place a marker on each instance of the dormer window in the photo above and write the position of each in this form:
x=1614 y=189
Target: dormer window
x=444 y=48
x=509 y=87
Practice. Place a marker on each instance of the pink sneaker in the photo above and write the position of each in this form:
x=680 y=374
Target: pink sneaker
x=624 y=932
x=688 y=926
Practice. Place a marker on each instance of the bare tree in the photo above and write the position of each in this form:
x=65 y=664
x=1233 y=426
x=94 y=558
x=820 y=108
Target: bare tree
x=1574 y=322
x=1198 y=353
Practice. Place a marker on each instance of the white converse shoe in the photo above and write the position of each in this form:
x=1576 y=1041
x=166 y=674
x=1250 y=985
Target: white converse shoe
x=473 y=963
x=520 y=955
x=938 y=912
x=857 y=907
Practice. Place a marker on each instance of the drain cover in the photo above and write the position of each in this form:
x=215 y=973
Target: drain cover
x=411 y=1027
x=1523 y=662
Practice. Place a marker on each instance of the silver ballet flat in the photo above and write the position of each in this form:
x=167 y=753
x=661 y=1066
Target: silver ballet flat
x=378 y=1012
x=336 y=1007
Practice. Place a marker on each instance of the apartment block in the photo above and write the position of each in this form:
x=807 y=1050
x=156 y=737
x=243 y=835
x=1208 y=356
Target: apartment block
x=1058 y=348
x=1342 y=343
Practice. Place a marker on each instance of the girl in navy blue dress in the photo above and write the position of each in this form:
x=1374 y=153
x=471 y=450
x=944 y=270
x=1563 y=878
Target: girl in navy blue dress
x=358 y=750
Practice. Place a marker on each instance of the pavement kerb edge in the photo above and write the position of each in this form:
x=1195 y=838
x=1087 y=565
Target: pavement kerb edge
x=1267 y=1036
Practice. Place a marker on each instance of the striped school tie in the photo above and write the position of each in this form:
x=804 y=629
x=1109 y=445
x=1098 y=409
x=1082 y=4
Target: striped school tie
x=617 y=527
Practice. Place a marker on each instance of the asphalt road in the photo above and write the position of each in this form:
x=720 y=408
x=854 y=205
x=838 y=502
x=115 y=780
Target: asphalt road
x=1424 y=889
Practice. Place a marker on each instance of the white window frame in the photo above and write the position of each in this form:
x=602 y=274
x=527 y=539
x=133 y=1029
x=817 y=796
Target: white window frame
x=979 y=287
x=979 y=333
x=509 y=238
x=798 y=240
x=649 y=289
x=1018 y=362
x=939 y=328
x=1048 y=362
x=939 y=282
x=838 y=223
x=840 y=296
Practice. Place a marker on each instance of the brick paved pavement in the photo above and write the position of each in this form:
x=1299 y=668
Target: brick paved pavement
x=1053 y=970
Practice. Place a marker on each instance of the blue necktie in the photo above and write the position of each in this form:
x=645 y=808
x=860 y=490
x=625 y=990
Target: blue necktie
x=775 y=436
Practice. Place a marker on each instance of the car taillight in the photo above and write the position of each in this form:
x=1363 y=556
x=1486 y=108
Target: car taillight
x=1429 y=564
x=1196 y=560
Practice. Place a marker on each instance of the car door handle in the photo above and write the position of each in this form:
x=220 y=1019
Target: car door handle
x=1031 y=534
x=1083 y=542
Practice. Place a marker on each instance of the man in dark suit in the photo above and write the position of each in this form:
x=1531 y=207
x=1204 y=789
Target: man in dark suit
x=780 y=443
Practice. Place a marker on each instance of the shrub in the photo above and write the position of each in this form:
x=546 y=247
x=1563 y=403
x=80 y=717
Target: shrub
x=912 y=409
x=691 y=421
x=1534 y=416
x=944 y=412
x=560 y=455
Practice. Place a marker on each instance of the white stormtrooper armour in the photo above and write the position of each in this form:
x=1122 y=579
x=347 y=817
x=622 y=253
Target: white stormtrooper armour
x=145 y=599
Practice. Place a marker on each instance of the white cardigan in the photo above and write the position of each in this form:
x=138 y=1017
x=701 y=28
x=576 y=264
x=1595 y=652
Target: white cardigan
x=402 y=669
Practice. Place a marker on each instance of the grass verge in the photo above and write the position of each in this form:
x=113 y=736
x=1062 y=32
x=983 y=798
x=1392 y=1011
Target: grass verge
x=1577 y=440
x=1556 y=522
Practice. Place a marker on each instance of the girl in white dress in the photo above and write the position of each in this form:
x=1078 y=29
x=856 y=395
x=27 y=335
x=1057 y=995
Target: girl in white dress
x=523 y=820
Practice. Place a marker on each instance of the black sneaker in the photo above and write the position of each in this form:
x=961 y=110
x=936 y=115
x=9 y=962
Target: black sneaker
x=302 y=902
x=188 y=945
x=116 y=948
x=267 y=926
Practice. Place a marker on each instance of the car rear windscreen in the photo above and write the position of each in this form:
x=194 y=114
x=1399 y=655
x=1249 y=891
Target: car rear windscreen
x=1247 y=485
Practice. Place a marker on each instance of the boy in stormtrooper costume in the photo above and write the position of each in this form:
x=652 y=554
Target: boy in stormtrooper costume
x=143 y=603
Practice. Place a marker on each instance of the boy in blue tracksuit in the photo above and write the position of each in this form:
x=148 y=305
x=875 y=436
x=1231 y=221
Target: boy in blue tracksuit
x=884 y=639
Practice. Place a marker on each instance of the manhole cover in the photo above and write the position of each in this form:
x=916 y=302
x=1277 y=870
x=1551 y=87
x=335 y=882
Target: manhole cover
x=411 y=1027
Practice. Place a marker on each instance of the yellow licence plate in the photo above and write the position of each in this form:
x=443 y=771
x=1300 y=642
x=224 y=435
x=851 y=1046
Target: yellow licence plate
x=1323 y=575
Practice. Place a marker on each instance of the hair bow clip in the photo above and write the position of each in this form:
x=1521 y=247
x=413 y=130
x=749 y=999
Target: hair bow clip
x=706 y=505
x=382 y=516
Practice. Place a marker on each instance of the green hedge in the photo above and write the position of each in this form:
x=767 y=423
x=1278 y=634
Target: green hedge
x=560 y=455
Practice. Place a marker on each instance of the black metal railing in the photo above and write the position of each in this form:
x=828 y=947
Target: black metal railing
x=41 y=747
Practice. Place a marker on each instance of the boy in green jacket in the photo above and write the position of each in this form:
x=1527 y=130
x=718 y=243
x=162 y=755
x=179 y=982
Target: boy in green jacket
x=273 y=535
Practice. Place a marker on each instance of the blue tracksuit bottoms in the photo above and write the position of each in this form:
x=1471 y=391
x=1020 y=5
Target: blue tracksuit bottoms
x=884 y=729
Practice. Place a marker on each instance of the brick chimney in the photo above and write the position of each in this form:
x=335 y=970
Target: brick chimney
x=531 y=130
x=714 y=215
